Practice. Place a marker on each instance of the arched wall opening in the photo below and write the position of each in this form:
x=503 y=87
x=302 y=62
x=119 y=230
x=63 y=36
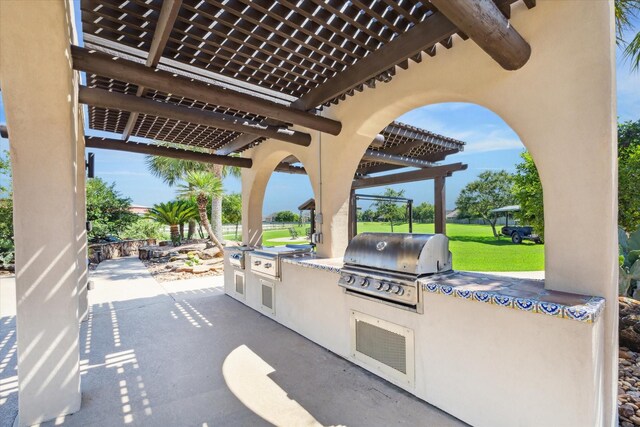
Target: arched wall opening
x=280 y=183
x=287 y=189
x=492 y=152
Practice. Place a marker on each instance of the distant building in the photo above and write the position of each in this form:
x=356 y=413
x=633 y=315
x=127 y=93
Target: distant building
x=139 y=209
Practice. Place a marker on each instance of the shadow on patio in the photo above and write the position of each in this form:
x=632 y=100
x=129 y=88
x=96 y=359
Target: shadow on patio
x=183 y=353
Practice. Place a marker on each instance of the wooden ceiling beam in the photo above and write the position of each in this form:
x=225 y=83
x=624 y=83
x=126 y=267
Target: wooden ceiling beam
x=166 y=20
x=238 y=144
x=383 y=157
x=114 y=100
x=128 y=71
x=486 y=25
x=157 y=150
x=420 y=37
x=287 y=168
x=412 y=176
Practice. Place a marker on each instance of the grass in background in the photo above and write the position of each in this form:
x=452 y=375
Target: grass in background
x=473 y=246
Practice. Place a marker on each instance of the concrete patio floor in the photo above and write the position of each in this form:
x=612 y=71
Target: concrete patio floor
x=184 y=354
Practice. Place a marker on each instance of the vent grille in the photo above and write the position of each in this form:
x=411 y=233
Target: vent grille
x=382 y=345
x=239 y=279
x=267 y=296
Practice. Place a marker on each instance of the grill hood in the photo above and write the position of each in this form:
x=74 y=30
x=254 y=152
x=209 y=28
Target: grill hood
x=415 y=254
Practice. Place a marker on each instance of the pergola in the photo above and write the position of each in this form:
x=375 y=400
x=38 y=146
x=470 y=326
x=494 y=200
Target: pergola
x=257 y=84
x=224 y=77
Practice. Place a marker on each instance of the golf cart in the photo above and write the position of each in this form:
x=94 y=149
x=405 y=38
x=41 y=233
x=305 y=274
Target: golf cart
x=518 y=233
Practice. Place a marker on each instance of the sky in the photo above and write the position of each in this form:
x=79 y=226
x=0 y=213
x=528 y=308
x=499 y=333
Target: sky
x=491 y=145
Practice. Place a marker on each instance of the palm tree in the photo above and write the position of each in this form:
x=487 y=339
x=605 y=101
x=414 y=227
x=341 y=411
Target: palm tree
x=200 y=185
x=172 y=171
x=172 y=214
x=626 y=12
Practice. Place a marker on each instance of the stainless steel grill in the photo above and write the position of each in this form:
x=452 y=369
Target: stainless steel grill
x=387 y=266
x=267 y=261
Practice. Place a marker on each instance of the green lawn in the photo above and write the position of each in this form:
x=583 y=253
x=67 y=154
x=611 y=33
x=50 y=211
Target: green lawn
x=473 y=246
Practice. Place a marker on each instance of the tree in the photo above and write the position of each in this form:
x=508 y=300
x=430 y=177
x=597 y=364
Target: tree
x=367 y=215
x=172 y=171
x=424 y=212
x=5 y=174
x=527 y=191
x=626 y=11
x=285 y=216
x=172 y=214
x=232 y=209
x=629 y=175
x=490 y=191
x=199 y=185
x=107 y=209
x=7 y=247
x=144 y=228
x=389 y=210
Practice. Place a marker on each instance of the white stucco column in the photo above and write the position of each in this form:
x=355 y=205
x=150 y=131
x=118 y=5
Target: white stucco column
x=39 y=93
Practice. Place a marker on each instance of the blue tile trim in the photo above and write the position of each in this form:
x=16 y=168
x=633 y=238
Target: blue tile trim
x=587 y=312
x=309 y=263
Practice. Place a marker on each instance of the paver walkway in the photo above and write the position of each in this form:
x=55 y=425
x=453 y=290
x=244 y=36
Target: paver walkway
x=184 y=354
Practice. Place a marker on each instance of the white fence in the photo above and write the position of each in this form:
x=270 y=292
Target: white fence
x=501 y=221
x=231 y=228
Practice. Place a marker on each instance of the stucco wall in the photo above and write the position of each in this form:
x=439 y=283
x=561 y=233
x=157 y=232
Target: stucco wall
x=562 y=106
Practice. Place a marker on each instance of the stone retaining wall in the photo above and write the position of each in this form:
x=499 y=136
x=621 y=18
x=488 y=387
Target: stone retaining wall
x=100 y=251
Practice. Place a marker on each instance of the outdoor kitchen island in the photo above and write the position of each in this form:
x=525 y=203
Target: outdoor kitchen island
x=472 y=333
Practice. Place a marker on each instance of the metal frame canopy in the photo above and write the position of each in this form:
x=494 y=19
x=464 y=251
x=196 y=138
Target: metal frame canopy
x=225 y=75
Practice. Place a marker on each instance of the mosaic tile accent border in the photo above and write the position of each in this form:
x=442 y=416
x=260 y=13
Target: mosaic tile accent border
x=587 y=311
x=312 y=263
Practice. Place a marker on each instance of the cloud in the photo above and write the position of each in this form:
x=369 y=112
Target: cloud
x=492 y=140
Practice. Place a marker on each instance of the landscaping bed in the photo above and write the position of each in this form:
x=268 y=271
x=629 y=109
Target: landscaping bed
x=629 y=363
x=195 y=259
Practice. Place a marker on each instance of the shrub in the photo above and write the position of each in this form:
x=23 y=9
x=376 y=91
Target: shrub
x=144 y=228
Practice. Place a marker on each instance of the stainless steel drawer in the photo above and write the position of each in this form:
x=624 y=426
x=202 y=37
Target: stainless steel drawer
x=236 y=259
x=264 y=265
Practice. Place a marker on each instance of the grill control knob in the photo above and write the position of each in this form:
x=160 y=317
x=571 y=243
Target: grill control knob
x=385 y=287
x=400 y=291
x=379 y=285
x=395 y=289
x=348 y=278
x=363 y=282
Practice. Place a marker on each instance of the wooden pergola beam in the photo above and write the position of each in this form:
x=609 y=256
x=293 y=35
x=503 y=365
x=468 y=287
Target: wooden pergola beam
x=166 y=20
x=238 y=144
x=486 y=25
x=383 y=157
x=157 y=150
x=287 y=168
x=105 y=99
x=412 y=176
x=128 y=71
x=420 y=37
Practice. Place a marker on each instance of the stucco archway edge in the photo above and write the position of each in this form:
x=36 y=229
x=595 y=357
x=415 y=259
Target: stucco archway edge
x=562 y=106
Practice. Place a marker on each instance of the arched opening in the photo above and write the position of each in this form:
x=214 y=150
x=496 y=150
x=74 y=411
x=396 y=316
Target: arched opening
x=457 y=169
x=288 y=206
